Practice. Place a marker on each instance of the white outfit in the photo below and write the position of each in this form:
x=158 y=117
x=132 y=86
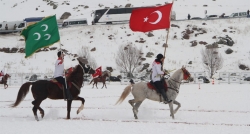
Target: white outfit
x=59 y=68
x=156 y=71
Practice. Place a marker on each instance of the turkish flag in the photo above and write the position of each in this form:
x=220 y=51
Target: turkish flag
x=150 y=18
x=98 y=72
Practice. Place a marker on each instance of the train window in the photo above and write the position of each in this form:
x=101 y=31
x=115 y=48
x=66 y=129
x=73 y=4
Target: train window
x=112 y=11
x=121 y=11
x=83 y=22
x=21 y=25
x=65 y=24
x=129 y=10
x=73 y=22
x=100 y=12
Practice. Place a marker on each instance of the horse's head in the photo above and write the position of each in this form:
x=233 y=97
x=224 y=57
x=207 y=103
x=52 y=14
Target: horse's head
x=186 y=74
x=86 y=68
x=7 y=75
x=106 y=73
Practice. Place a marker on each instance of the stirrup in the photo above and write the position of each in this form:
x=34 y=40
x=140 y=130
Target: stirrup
x=166 y=102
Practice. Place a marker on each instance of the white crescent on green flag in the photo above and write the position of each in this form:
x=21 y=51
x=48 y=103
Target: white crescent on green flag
x=41 y=34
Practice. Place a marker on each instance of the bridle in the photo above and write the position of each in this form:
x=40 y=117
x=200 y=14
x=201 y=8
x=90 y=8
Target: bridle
x=185 y=77
x=84 y=69
x=76 y=85
x=6 y=76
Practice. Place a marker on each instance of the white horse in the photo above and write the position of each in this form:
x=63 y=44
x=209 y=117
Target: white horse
x=141 y=91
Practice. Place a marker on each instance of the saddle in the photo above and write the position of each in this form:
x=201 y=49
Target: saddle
x=152 y=86
x=67 y=74
x=61 y=85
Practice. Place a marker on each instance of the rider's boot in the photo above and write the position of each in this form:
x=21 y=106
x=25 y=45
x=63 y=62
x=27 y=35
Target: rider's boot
x=166 y=100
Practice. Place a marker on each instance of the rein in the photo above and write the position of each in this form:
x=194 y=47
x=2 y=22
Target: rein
x=77 y=87
x=175 y=88
x=171 y=84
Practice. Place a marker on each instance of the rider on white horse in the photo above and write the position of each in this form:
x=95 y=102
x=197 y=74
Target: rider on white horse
x=157 y=75
x=1 y=75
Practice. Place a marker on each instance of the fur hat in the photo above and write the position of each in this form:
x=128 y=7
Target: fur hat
x=59 y=53
x=159 y=56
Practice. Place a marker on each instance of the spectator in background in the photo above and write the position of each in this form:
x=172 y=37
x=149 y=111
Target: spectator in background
x=15 y=27
x=248 y=13
x=6 y=27
x=223 y=15
x=189 y=16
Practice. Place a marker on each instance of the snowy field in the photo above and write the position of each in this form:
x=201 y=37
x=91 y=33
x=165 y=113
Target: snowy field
x=212 y=109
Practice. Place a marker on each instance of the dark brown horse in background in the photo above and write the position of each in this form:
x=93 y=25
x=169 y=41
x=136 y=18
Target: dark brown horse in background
x=4 y=80
x=102 y=79
x=43 y=89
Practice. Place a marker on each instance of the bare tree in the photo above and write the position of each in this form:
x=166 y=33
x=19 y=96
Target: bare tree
x=85 y=53
x=128 y=58
x=212 y=60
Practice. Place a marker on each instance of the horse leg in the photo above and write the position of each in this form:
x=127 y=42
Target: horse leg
x=131 y=102
x=179 y=105
x=102 y=84
x=82 y=105
x=96 y=85
x=105 y=85
x=36 y=104
x=135 y=110
x=34 y=109
x=171 y=109
x=135 y=107
x=5 y=85
x=69 y=102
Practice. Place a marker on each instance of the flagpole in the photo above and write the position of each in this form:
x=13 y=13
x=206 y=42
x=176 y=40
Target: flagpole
x=167 y=34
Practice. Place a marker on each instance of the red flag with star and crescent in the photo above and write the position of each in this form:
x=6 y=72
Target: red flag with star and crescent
x=98 y=72
x=150 y=18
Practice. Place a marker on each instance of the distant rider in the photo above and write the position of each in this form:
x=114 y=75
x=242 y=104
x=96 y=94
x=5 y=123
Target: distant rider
x=1 y=75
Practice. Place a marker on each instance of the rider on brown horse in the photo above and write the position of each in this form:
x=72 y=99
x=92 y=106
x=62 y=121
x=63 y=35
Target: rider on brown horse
x=59 y=73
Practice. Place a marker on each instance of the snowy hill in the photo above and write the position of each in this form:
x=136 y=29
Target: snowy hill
x=179 y=51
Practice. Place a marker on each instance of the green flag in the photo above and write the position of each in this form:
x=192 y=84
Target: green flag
x=41 y=34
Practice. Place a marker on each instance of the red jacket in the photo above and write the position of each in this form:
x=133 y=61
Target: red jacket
x=1 y=73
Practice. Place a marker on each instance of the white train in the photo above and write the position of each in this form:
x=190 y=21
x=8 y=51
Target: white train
x=116 y=15
x=74 y=22
x=17 y=26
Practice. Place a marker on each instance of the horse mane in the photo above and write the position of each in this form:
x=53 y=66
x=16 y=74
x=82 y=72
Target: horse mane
x=106 y=72
x=174 y=74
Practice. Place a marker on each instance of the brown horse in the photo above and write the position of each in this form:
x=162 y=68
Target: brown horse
x=4 y=80
x=43 y=89
x=101 y=79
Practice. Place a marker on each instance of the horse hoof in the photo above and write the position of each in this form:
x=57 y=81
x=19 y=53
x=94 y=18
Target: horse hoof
x=36 y=118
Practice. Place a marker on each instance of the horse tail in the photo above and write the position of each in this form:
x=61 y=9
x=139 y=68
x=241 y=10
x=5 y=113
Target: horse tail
x=125 y=93
x=22 y=93
x=91 y=81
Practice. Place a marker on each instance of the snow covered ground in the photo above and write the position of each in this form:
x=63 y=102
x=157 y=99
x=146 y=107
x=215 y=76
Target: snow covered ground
x=217 y=109
x=212 y=109
x=179 y=51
